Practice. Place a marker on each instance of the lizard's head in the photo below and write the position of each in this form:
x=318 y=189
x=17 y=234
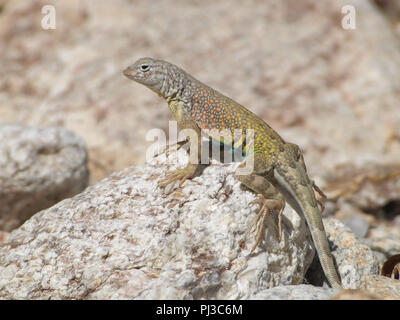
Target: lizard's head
x=158 y=75
x=145 y=71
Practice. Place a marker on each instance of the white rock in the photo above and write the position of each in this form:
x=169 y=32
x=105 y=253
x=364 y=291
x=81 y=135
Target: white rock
x=355 y=260
x=299 y=292
x=38 y=168
x=121 y=239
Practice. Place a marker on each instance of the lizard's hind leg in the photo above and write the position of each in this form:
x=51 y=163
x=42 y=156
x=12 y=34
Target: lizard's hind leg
x=269 y=198
x=267 y=205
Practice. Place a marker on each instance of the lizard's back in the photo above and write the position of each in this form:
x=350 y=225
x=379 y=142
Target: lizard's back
x=212 y=110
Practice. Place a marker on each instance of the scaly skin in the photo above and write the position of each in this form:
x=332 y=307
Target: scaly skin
x=279 y=171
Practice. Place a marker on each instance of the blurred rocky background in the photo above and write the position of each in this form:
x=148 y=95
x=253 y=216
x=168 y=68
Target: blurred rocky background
x=332 y=91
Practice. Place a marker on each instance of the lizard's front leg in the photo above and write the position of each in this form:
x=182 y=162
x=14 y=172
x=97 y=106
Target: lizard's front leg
x=180 y=175
x=269 y=197
x=193 y=135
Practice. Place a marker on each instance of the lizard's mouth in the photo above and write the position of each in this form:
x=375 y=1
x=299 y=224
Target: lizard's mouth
x=129 y=73
x=132 y=73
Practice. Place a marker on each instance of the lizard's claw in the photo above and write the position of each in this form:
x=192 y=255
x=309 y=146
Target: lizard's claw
x=259 y=226
x=260 y=200
x=180 y=175
x=280 y=220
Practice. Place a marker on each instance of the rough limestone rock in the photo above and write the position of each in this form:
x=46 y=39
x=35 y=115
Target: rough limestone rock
x=384 y=287
x=122 y=239
x=368 y=187
x=354 y=259
x=38 y=168
x=351 y=294
x=299 y=292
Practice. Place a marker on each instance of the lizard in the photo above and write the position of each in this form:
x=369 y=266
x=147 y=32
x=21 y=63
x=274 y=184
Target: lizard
x=278 y=173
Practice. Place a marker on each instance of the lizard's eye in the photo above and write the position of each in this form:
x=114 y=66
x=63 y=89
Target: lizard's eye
x=144 y=67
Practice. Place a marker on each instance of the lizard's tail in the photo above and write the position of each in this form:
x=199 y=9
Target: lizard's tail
x=314 y=220
x=302 y=199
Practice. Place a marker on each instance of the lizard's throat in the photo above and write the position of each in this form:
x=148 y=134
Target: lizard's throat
x=174 y=85
x=170 y=91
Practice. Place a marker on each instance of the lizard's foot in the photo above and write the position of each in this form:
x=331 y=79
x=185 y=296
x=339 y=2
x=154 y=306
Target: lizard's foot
x=321 y=194
x=266 y=206
x=180 y=175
